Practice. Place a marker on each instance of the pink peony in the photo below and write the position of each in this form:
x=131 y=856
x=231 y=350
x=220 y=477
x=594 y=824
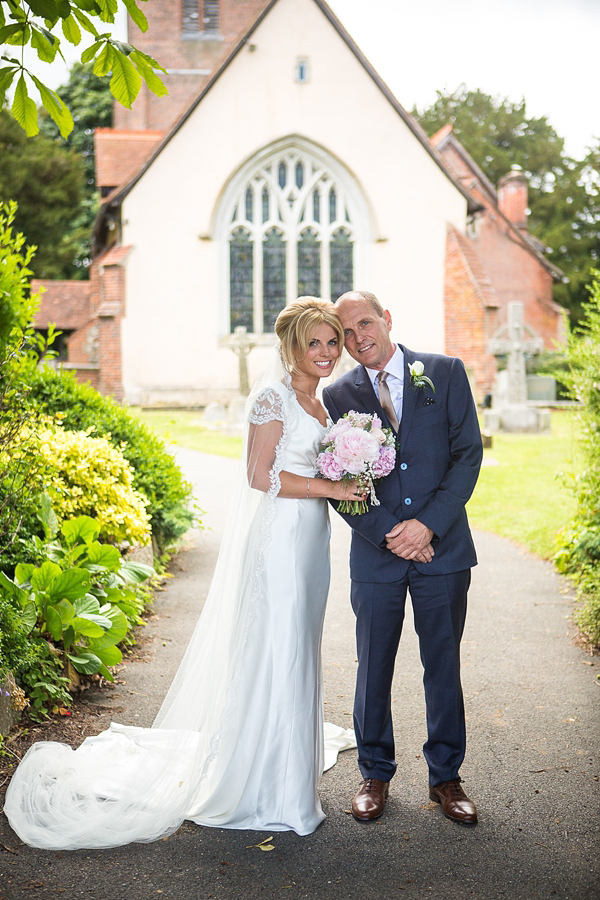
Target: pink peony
x=355 y=448
x=385 y=463
x=328 y=466
x=340 y=426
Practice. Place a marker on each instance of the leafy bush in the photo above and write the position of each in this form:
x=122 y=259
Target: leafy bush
x=156 y=474
x=579 y=555
x=20 y=348
x=81 y=603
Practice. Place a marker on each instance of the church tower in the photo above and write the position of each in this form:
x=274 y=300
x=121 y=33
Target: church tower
x=189 y=38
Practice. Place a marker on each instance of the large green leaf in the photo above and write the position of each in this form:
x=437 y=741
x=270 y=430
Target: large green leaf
x=135 y=573
x=23 y=109
x=43 y=578
x=70 y=585
x=136 y=14
x=55 y=106
x=104 y=61
x=89 y=53
x=85 y=662
x=126 y=80
x=29 y=616
x=45 y=9
x=71 y=30
x=53 y=623
x=23 y=572
x=110 y=656
x=81 y=528
x=83 y=626
x=104 y=671
x=8 y=32
x=118 y=628
x=104 y=555
x=7 y=74
x=155 y=84
x=87 y=604
x=86 y=24
x=108 y=8
x=65 y=611
x=44 y=43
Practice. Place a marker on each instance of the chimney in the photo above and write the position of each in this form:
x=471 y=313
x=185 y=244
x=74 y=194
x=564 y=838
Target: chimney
x=512 y=197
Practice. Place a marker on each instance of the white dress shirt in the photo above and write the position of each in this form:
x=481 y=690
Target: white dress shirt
x=395 y=380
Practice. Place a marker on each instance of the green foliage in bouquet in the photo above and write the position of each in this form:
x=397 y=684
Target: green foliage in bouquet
x=155 y=473
x=579 y=555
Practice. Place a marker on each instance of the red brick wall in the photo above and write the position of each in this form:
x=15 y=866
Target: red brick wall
x=468 y=322
x=163 y=40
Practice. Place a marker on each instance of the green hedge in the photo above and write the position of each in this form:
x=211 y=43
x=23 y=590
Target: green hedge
x=156 y=474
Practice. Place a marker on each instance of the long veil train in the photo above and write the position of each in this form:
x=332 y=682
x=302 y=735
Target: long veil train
x=139 y=784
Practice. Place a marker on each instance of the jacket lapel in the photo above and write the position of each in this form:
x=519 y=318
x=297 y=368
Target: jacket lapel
x=409 y=399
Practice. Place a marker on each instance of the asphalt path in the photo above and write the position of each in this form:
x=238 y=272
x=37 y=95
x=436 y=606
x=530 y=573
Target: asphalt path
x=532 y=762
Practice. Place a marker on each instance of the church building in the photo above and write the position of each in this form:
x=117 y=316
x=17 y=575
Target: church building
x=281 y=164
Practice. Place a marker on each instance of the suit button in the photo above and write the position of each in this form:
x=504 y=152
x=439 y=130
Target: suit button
x=408 y=501
x=403 y=466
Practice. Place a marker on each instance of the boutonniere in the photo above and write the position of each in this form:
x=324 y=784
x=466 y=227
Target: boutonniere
x=418 y=379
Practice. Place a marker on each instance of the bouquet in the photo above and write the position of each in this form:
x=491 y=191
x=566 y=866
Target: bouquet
x=357 y=447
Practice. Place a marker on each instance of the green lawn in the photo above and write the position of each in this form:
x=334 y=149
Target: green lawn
x=521 y=496
x=524 y=496
x=184 y=429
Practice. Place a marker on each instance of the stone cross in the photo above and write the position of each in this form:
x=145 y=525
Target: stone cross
x=516 y=345
x=241 y=343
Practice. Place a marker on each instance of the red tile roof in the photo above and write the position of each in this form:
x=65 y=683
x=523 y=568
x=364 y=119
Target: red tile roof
x=120 y=154
x=64 y=303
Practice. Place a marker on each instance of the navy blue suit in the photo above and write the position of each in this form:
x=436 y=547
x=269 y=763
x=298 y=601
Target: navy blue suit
x=438 y=457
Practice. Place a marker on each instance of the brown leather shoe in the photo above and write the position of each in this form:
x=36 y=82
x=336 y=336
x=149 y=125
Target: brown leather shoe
x=455 y=803
x=370 y=799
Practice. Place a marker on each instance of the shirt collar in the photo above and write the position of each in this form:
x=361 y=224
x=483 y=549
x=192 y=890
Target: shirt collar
x=394 y=367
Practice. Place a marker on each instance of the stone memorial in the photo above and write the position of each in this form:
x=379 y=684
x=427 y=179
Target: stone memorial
x=510 y=410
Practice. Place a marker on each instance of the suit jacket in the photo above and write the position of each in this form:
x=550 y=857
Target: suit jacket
x=438 y=456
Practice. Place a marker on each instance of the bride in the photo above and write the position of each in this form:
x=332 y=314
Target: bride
x=239 y=739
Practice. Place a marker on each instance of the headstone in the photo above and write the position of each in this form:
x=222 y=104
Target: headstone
x=241 y=343
x=214 y=412
x=541 y=388
x=510 y=411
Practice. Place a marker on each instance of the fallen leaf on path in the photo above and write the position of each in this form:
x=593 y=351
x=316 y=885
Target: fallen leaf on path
x=264 y=845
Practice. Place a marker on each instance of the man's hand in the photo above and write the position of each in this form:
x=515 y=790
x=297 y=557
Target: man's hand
x=411 y=540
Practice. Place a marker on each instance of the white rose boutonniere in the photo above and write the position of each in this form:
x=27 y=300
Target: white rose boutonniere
x=418 y=379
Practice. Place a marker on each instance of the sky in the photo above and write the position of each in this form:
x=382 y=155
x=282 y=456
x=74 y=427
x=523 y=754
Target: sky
x=543 y=50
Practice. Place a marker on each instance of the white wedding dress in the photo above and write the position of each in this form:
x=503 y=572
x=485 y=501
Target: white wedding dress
x=239 y=740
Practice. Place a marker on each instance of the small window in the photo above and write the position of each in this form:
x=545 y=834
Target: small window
x=191 y=17
x=210 y=21
x=301 y=70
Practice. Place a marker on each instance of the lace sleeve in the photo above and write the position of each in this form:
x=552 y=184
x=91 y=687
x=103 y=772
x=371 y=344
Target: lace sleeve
x=268 y=407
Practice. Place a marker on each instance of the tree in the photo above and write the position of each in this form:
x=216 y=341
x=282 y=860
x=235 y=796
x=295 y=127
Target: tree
x=46 y=180
x=91 y=104
x=20 y=26
x=563 y=196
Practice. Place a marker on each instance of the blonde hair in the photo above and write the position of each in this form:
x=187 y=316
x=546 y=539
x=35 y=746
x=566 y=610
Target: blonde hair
x=296 y=323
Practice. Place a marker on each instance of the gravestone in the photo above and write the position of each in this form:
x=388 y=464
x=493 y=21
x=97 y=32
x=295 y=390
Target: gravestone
x=510 y=410
x=241 y=343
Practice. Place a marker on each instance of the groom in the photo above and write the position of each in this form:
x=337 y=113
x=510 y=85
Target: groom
x=418 y=540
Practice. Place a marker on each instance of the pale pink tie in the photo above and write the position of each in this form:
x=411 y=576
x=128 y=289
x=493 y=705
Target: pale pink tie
x=385 y=400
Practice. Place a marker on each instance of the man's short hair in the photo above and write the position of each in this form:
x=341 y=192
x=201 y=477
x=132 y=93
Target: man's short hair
x=369 y=297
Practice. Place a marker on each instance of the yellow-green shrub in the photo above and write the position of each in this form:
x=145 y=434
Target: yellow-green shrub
x=86 y=475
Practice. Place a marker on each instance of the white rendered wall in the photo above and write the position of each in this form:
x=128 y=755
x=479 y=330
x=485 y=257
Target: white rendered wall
x=174 y=277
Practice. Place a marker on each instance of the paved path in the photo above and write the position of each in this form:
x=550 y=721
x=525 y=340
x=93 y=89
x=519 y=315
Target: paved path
x=532 y=762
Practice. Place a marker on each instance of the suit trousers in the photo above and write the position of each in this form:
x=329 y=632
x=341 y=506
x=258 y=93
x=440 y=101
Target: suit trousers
x=439 y=609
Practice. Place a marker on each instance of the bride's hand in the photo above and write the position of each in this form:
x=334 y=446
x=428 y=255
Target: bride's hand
x=346 y=490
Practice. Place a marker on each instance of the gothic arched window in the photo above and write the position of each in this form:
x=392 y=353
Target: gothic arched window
x=292 y=231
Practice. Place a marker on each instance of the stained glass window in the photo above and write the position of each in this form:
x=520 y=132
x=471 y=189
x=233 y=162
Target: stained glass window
x=309 y=264
x=241 y=270
x=341 y=262
x=292 y=233
x=274 y=268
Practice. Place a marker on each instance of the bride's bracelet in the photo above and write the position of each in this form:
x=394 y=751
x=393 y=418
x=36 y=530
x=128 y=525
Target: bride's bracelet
x=307 y=488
